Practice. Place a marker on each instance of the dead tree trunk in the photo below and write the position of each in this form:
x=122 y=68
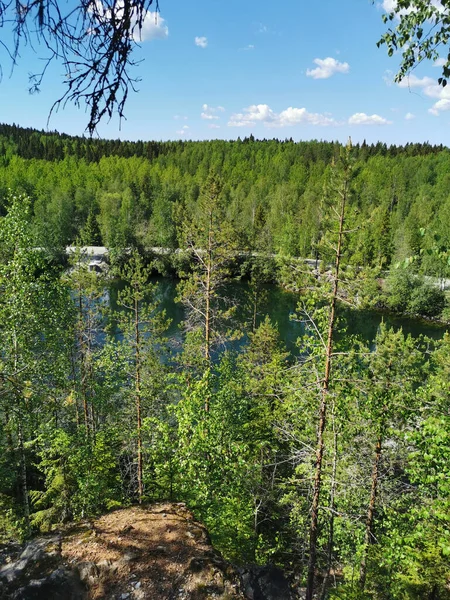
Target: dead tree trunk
x=140 y=464
x=331 y=522
x=82 y=358
x=370 y=513
x=23 y=475
x=313 y=528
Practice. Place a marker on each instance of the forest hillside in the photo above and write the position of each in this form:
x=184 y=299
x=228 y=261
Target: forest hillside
x=120 y=194
x=328 y=458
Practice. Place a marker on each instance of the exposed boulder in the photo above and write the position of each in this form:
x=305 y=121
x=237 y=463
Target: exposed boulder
x=155 y=552
x=265 y=583
x=38 y=573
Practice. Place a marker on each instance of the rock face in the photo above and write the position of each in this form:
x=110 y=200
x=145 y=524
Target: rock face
x=265 y=583
x=156 y=552
x=37 y=573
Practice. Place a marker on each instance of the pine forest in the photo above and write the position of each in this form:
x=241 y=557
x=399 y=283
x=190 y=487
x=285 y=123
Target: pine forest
x=328 y=456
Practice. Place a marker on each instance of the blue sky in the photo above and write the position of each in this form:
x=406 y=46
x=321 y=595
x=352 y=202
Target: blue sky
x=300 y=69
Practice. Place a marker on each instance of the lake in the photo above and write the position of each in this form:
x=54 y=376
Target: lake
x=281 y=306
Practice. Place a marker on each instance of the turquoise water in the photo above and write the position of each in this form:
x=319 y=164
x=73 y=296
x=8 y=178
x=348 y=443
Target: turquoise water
x=281 y=307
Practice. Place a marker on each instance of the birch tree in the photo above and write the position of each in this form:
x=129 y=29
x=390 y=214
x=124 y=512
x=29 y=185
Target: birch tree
x=32 y=340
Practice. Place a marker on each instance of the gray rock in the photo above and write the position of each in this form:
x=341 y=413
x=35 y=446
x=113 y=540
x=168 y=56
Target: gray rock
x=104 y=566
x=34 y=554
x=37 y=574
x=265 y=583
x=59 y=585
x=37 y=555
x=88 y=572
x=130 y=556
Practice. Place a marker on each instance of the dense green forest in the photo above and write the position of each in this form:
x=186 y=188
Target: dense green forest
x=140 y=194
x=334 y=463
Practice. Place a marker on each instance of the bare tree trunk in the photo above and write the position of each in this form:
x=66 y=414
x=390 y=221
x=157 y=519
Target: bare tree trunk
x=313 y=528
x=434 y=594
x=331 y=508
x=82 y=363
x=208 y=294
x=208 y=313
x=73 y=367
x=22 y=457
x=23 y=475
x=255 y=308
x=370 y=514
x=209 y=265
x=85 y=402
x=140 y=468
x=93 y=421
x=9 y=440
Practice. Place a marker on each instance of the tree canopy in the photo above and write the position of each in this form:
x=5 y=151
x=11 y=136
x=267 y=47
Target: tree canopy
x=421 y=30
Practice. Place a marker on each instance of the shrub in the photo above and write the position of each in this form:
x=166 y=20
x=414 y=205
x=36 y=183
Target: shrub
x=408 y=293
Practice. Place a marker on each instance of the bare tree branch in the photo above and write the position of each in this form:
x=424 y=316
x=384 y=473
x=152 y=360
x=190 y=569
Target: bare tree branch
x=94 y=40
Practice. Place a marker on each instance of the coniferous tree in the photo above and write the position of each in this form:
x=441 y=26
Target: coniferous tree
x=142 y=327
x=209 y=240
x=342 y=191
x=395 y=370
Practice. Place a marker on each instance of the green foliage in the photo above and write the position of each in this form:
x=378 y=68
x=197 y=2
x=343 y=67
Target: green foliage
x=81 y=477
x=414 y=36
x=85 y=414
x=34 y=316
x=399 y=286
x=407 y=292
x=212 y=245
x=272 y=194
x=116 y=218
x=427 y=300
x=226 y=456
x=90 y=233
x=142 y=326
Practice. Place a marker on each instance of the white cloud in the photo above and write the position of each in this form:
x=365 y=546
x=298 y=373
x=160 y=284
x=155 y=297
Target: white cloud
x=430 y=88
x=409 y=116
x=412 y=81
x=213 y=126
x=327 y=67
x=153 y=26
x=390 y=6
x=180 y=117
x=363 y=119
x=440 y=106
x=388 y=77
x=440 y=62
x=202 y=42
x=262 y=113
x=262 y=28
x=249 y=47
x=210 y=112
x=251 y=115
x=297 y=116
x=183 y=130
